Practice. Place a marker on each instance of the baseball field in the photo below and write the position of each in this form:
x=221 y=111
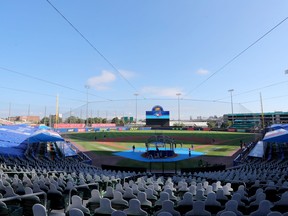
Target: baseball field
x=216 y=147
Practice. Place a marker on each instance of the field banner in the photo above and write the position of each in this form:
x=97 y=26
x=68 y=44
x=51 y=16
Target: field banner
x=144 y=128
x=103 y=125
x=64 y=125
x=89 y=129
x=231 y=130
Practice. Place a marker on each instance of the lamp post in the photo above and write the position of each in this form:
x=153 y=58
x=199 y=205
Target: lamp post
x=178 y=95
x=9 y=112
x=28 y=116
x=87 y=87
x=136 y=95
x=286 y=72
x=231 y=95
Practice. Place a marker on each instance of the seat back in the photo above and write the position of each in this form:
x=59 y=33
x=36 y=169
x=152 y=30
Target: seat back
x=39 y=210
x=4 y=211
x=105 y=207
x=75 y=212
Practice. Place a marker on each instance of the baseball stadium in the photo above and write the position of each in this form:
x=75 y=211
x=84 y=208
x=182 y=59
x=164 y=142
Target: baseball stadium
x=143 y=108
x=81 y=166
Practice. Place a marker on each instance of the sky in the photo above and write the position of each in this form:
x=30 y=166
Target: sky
x=122 y=57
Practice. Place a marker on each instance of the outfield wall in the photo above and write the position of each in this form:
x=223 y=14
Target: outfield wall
x=98 y=129
x=66 y=128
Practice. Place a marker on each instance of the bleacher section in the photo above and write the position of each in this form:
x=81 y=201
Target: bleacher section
x=245 y=125
x=187 y=193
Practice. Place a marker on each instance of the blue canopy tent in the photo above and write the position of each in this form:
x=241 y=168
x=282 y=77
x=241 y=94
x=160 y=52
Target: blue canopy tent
x=12 y=137
x=278 y=126
x=279 y=139
x=44 y=127
x=68 y=149
x=258 y=150
x=279 y=136
x=15 y=138
x=44 y=136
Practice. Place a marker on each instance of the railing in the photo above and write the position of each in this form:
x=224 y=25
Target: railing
x=25 y=196
x=80 y=186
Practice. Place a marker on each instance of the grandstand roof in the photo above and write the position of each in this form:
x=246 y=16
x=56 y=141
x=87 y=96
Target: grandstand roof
x=258 y=114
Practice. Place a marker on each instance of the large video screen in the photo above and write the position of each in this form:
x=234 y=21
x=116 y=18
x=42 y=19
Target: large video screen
x=158 y=122
x=157 y=113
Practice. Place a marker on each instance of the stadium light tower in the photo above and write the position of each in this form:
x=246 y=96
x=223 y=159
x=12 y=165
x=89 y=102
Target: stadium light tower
x=231 y=95
x=87 y=88
x=178 y=95
x=136 y=95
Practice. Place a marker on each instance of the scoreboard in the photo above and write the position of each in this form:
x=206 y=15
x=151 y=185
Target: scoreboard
x=157 y=117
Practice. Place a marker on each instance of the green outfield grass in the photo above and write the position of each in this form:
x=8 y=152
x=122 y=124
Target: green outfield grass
x=214 y=144
x=180 y=136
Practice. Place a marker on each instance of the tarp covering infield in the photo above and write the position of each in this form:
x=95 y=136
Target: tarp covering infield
x=181 y=154
x=15 y=138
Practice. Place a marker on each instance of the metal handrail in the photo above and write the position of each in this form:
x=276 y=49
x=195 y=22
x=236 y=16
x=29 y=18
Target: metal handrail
x=25 y=196
x=79 y=186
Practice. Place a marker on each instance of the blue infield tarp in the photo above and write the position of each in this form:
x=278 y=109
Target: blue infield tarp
x=181 y=154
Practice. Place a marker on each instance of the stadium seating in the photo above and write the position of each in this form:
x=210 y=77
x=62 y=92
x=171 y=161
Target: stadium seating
x=39 y=184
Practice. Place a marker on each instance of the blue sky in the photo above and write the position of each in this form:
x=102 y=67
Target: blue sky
x=153 y=48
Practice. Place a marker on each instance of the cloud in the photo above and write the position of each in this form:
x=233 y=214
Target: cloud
x=161 y=91
x=102 y=81
x=127 y=74
x=202 y=71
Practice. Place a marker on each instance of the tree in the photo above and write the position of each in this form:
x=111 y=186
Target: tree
x=97 y=120
x=211 y=124
x=72 y=119
x=225 y=125
x=178 y=124
x=51 y=120
x=115 y=120
x=121 y=122
x=45 y=121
